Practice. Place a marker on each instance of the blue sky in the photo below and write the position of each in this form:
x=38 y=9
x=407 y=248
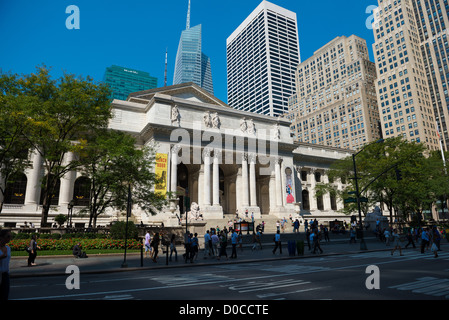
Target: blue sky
x=136 y=33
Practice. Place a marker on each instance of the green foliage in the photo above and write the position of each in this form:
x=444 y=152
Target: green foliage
x=118 y=230
x=57 y=116
x=60 y=219
x=424 y=179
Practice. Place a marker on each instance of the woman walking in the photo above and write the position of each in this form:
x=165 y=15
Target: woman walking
x=156 y=240
x=173 y=247
x=396 y=242
x=32 y=250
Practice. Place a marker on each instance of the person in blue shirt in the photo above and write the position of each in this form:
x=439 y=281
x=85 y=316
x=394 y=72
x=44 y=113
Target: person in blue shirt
x=234 y=242
x=424 y=239
x=277 y=242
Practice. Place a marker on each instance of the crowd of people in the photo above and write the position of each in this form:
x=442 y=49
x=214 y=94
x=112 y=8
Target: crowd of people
x=427 y=238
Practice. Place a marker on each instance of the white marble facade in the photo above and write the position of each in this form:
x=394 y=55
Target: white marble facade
x=220 y=158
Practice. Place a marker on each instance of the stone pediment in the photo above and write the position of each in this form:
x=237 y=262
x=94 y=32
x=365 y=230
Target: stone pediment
x=187 y=91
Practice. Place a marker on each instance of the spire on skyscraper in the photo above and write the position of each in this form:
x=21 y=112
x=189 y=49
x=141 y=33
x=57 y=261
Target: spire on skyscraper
x=188 y=17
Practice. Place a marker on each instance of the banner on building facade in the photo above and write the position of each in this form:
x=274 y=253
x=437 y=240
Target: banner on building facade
x=161 y=173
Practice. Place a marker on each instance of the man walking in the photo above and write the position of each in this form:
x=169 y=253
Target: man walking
x=234 y=242
x=277 y=242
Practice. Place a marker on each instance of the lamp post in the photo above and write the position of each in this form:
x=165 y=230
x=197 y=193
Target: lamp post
x=128 y=214
x=357 y=193
x=70 y=212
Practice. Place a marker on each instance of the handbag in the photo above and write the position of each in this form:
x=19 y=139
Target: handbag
x=434 y=247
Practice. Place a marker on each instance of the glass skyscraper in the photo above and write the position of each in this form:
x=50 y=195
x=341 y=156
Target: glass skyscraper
x=192 y=65
x=123 y=81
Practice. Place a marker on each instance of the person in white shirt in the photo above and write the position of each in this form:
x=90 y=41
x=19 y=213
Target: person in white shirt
x=5 y=257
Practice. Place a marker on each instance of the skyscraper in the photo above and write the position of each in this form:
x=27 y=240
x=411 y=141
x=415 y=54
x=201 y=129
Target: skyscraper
x=262 y=56
x=123 y=81
x=405 y=103
x=335 y=102
x=432 y=19
x=192 y=65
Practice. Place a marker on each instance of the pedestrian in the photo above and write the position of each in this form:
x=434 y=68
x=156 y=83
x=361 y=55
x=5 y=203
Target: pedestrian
x=195 y=248
x=296 y=226
x=234 y=242
x=188 y=246
x=173 y=247
x=352 y=236
x=436 y=237
x=277 y=242
x=434 y=249
x=240 y=241
x=410 y=239
x=396 y=242
x=32 y=250
x=425 y=239
x=215 y=243
x=316 y=241
x=387 y=237
x=5 y=258
x=207 y=244
x=78 y=252
x=223 y=245
x=147 y=244
x=308 y=237
x=156 y=241
x=326 y=234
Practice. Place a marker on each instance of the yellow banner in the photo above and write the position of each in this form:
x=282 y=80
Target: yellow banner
x=161 y=173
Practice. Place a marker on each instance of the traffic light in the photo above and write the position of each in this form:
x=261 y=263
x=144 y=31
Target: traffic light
x=398 y=174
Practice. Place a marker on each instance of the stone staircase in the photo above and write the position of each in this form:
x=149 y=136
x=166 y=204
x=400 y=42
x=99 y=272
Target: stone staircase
x=270 y=223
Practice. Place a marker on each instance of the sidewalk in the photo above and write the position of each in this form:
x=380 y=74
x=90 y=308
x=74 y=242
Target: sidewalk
x=56 y=265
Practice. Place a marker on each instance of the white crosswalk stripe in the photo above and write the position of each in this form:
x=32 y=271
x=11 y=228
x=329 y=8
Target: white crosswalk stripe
x=428 y=285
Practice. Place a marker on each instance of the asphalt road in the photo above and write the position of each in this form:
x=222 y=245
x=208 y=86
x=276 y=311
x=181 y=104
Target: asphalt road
x=414 y=276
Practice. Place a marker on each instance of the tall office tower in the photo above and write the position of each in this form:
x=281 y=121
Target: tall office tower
x=192 y=65
x=123 y=81
x=262 y=56
x=432 y=19
x=405 y=104
x=335 y=102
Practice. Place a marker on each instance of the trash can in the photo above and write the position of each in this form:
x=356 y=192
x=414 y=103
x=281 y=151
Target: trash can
x=300 y=247
x=291 y=248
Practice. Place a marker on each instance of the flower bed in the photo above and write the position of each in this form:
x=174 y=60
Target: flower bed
x=68 y=244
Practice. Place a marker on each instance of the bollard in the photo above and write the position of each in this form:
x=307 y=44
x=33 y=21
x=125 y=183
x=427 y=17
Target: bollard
x=141 y=256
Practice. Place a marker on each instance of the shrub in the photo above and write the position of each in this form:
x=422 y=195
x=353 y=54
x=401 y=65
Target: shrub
x=118 y=230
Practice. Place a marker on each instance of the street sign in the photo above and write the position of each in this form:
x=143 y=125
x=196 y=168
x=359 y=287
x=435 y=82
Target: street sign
x=364 y=200
x=351 y=200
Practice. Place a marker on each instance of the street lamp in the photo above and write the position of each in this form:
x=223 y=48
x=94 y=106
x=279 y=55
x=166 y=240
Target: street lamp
x=362 y=240
x=70 y=212
x=128 y=214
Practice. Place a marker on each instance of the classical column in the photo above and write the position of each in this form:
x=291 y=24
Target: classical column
x=174 y=169
x=34 y=176
x=277 y=172
x=206 y=156
x=67 y=183
x=312 y=198
x=216 y=178
x=252 y=179
x=245 y=197
x=326 y=198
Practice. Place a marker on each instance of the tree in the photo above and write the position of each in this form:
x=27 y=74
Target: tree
x=61 y=115
x=13 y=120
x=113 y=162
